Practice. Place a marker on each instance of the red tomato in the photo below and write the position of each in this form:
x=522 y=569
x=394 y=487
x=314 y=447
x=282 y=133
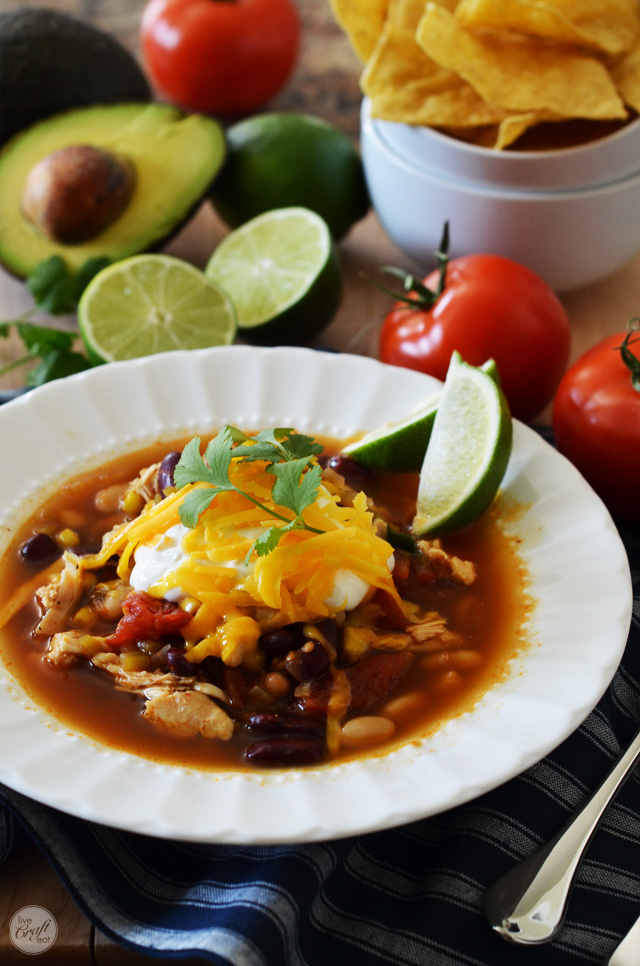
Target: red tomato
x=221 y=57
x=491 y=307
x=596 y=421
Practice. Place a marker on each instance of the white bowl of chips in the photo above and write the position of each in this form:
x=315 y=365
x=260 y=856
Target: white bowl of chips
x=513 y=121
x=571 y=236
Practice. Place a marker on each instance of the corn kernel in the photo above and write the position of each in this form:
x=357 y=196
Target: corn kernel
x=84 y=617
x=67 y=538
x=134 y=661
x=132 y=502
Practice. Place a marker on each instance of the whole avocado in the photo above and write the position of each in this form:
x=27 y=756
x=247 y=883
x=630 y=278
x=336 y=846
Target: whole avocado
x=51 y=62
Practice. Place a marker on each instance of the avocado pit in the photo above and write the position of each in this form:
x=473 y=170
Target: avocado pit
x=74 y=193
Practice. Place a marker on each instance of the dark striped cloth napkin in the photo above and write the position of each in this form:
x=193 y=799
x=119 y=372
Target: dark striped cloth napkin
x=407 y=896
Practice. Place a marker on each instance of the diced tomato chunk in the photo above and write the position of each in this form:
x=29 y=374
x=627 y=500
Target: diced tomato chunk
x=375 y=677
x=147 y=617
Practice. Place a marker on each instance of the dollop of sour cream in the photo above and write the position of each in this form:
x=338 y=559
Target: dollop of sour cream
x=154 y=563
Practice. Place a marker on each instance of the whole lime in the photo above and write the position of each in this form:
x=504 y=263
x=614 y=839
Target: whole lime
x=289 y=159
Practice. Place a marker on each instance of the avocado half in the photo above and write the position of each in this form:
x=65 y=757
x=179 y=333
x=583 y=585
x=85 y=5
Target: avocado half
x=51 y=62
x=174 y=159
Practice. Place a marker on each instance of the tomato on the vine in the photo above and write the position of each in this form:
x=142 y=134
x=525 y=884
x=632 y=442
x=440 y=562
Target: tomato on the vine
x=596 y=421
x=484 y=306
x=221 y=57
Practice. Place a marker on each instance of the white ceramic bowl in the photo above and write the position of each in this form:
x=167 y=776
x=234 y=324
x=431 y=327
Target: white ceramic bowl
x=572 y=215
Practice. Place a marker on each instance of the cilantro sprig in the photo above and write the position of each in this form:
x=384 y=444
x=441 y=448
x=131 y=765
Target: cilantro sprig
x=55 y=290
x=289 y=458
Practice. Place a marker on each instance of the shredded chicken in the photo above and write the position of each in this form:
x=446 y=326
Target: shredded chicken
x=138 y=680
x=66 y=647
x=445 y=565
x=60 y=597
x=146 y=483
x=187 y=713
x=106 y=599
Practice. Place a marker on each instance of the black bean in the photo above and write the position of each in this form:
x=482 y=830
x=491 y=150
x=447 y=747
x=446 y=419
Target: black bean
x=40 y=548
x=275 y=723
x=315 y=660
x=279 y=641
x=329 y=630
x=286 y=750
x=353 y=472
x=178 y=663
x=165 y=471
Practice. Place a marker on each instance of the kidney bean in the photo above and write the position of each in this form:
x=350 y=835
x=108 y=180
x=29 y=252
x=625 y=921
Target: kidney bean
x=275 y=723
x=286 y=750
x=165 y=471
x=178 y=663
x=39 y=548
x=237 y=683
x=279 y=641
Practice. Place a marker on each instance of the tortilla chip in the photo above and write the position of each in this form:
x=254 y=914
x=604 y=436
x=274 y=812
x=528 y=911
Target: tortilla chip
x=405 y=85
x=610 y=26
x=626 y=76
x=408 y=13
x=520 y=74
x=515 y=125
x=362 y=22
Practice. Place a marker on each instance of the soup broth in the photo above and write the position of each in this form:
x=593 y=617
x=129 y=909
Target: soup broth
x=446 y=675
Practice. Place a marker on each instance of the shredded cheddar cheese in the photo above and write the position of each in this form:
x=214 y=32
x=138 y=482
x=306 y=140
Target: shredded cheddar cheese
x=240 y=594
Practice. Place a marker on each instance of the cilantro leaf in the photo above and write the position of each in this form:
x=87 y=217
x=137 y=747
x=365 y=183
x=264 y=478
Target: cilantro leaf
x=299 y=445
x=267 y=541
x=195 y=503
x=218 y=457
x=51 y=286
x=39 y=339
x=293 y=488
x=213 y=469
x=56 y=289
x=272 y=445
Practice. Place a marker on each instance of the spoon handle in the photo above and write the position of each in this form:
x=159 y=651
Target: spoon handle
x=527 y=905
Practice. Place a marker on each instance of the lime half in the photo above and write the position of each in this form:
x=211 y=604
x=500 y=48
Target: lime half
x=400 y=447
x=149 y=304
x=468 y=451
x=282 y=274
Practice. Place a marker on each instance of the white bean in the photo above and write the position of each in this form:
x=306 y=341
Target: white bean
x=107 y=500
x=404 y=704
x=366 y=730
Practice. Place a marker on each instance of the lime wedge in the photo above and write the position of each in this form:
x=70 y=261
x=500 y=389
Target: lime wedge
x=397 y=447
x=281 y=272
x=400 y=447
x=149 y=304
x=468 y=451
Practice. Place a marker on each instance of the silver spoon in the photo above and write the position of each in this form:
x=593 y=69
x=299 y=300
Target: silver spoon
x=527 y=905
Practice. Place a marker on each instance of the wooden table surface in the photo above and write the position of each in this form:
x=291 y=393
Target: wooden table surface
x=325 y=83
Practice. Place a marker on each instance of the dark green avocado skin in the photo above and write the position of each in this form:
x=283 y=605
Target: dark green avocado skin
x=52 y=62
